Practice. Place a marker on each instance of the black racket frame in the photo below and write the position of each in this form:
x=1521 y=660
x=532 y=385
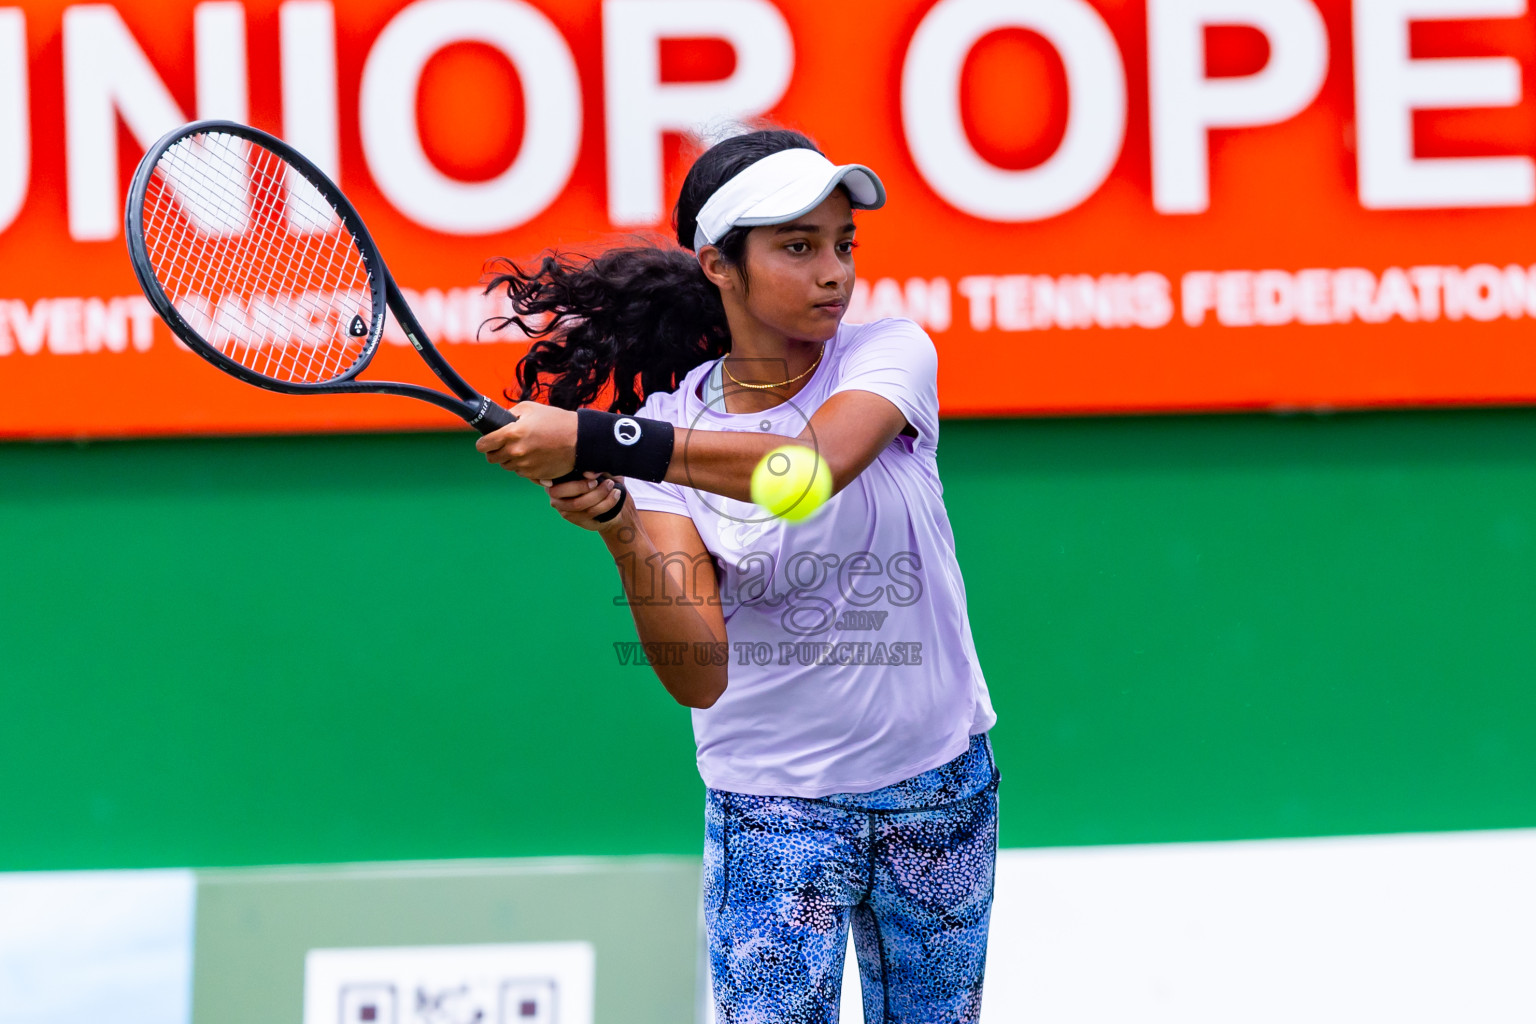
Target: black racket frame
x=474 y=408
x=470 y=405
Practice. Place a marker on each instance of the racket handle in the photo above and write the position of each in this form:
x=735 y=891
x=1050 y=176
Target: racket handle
x=491 y=417
x=494 y=417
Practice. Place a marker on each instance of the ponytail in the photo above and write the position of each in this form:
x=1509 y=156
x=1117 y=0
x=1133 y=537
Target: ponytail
x=637 y=318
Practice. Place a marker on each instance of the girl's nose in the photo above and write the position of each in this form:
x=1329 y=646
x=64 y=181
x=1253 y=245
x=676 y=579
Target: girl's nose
x=833 y=272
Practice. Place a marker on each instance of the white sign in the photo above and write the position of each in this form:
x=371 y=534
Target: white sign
x=522 y=983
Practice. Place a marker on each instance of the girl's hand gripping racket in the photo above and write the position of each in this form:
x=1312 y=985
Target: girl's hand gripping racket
x=256 y=260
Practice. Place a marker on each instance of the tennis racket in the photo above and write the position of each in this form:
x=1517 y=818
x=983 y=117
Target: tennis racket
x=259 y=263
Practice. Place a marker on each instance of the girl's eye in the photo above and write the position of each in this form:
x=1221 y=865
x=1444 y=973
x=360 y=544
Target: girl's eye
x=847 y=247
x=797 y=247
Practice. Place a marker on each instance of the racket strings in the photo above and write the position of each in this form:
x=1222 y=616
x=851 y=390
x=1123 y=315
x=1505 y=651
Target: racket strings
x=256 y=261
x=266 y=214
x=258 y=342
x=299 y=362
x=252 y=343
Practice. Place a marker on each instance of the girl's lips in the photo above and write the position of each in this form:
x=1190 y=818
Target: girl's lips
x=832 y=307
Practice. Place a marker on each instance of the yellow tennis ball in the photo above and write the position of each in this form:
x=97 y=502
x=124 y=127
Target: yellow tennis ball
x=792 y=482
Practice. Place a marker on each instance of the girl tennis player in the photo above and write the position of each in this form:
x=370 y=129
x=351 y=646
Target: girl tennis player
x=839 y=708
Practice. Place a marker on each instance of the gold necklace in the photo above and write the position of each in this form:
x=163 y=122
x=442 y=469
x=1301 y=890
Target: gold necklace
x=765 y=387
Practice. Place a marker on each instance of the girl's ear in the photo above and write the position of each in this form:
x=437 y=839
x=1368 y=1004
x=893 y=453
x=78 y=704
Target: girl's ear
x=720 y=273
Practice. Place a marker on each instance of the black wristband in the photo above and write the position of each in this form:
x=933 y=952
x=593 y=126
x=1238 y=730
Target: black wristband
x=622 y=445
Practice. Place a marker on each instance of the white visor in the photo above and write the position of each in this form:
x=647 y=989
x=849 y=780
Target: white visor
x=779 y=188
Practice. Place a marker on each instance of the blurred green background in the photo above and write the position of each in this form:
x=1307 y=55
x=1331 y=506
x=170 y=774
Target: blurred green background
x=307 y=649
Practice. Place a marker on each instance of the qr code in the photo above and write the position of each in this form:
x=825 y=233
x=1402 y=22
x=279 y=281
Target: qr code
x=532 y=983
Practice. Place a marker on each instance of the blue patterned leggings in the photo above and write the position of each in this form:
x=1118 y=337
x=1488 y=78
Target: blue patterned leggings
x=910 y=867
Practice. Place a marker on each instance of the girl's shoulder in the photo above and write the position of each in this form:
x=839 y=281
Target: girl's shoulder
x=896 y=332
x=892 y=341
x=885 y=325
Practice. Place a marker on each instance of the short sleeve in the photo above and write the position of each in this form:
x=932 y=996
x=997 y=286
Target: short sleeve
x=896 y=360
x=647 y=495
x=657 y=497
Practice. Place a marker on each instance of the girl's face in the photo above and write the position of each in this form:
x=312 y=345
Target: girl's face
x=799 y=276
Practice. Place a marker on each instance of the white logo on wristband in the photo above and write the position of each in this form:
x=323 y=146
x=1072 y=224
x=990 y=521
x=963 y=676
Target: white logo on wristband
x=626 y=430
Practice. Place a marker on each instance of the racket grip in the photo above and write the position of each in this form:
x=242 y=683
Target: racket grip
x=494 y=417
x=491 y=417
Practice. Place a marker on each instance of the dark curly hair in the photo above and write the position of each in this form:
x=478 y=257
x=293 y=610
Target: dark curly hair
x=639 y=317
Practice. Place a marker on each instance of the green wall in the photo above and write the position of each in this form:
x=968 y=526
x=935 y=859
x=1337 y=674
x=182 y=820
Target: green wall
x=298 y=650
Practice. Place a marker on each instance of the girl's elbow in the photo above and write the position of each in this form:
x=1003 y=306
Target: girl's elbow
x=695 y=692
x=707 y=700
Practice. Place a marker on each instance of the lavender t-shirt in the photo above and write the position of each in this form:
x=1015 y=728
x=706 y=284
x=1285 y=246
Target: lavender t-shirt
x=851 y=664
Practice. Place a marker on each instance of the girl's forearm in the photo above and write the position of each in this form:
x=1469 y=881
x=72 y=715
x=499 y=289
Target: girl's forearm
x=719 y=461
x=665 y=605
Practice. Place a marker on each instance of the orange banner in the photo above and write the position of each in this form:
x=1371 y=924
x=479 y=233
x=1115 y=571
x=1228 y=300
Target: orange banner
x=1095 y=206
